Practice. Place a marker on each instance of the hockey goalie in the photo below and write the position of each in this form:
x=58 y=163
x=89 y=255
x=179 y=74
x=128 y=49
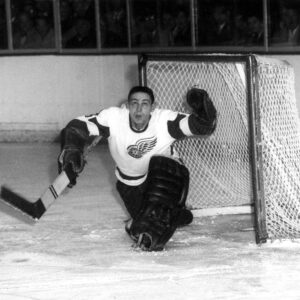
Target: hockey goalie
x=151 y=179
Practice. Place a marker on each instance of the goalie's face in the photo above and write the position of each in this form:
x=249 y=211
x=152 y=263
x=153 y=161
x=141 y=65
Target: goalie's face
x=140 y=107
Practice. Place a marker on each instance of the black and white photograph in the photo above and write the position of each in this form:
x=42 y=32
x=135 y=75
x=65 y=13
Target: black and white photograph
x=149 y=149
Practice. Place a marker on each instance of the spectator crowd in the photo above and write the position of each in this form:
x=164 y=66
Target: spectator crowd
x=84 y=24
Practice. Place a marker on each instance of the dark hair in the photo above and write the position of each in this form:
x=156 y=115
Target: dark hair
x=142 y=89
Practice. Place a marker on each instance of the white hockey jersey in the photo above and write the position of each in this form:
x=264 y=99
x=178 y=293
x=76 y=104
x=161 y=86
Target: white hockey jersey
x=132 y=150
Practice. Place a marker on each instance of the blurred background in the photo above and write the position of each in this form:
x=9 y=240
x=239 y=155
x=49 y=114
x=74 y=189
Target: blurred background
x=64 y=58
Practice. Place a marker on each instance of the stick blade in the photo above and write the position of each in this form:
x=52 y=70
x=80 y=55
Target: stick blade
x=32 y=209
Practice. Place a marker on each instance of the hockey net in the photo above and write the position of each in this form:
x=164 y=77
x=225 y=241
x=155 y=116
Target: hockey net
x=221 y=169
x=280 y=132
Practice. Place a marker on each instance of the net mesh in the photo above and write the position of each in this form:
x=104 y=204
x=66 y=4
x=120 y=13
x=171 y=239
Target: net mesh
x=280 y=148
x=220 y=164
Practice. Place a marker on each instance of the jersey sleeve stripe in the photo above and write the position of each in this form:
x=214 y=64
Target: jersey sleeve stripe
x=184 y=126
x=103 y=130
x=91 y=127
x=174 y=129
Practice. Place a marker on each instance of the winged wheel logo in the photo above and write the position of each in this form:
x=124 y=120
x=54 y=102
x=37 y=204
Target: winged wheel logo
x=141 y=147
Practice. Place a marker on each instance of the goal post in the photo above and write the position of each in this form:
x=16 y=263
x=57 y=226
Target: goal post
x=252 y=157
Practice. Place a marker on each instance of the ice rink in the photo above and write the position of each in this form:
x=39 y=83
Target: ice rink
x=79 y=249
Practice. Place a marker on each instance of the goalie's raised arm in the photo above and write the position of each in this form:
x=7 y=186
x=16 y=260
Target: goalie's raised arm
x=204 y=118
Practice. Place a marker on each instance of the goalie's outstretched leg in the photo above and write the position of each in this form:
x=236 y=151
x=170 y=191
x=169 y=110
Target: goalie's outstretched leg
x=164 y=204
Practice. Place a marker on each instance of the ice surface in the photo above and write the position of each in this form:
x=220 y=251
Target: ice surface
x=79 y=249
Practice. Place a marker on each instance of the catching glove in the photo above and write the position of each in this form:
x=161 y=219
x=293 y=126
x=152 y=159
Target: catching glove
x=201 y=104
x=204 y=121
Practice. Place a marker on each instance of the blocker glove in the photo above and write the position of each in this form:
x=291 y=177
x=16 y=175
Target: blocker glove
x=71 y=159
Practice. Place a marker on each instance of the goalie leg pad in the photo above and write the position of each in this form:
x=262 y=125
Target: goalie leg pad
x=153 y=229
x=165 y=196
x=167 y=182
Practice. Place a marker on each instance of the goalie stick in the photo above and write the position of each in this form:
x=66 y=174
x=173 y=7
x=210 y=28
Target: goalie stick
x=36 y=209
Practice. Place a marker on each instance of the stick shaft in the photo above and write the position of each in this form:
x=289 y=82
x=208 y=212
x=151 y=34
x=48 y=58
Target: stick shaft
x=55 y=189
